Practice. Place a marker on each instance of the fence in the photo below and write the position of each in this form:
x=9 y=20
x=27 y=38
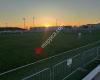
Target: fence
x=41 y=75
x=80 y=60
x=57 y=67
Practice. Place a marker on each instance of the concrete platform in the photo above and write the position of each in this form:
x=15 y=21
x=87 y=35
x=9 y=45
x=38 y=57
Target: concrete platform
x=94 y=74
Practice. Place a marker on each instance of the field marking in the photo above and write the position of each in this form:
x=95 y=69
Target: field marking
x=98 y=59
x=65 y=60
x=46 y=59
x=74 y=56
x=79 y=68
x=62 y=62
x=59 y=63
x=21 y=67
x=70 y=74
x=25 y=78
x=76 y=49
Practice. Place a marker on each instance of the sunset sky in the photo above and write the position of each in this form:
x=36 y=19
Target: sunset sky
x=47 y=12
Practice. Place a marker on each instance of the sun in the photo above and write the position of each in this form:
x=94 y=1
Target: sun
x=47 y=25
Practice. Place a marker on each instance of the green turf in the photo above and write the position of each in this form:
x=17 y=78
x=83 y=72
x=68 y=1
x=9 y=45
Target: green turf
x=79 y=74
x=18 y=49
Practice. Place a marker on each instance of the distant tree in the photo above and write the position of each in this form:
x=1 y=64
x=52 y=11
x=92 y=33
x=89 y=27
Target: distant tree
x=10 y=28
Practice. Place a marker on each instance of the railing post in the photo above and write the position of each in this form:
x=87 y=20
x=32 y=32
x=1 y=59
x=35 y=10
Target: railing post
x=51 y=73
x=97 y=52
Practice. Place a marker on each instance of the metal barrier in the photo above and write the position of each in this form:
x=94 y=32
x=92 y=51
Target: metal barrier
x=41 y=75
x=71 y=64
x=57 y=67
x=63 y=69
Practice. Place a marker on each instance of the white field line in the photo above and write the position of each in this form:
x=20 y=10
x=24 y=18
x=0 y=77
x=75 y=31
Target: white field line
x=45 y=59
x=21 y=67
x=35 y=74
x=65 y=60
x=62 y=62
x=74 y=49
x=98 y=59
x=70 y=74
x=73 y=57
x=59 y=63
x=92 y=60
x=78 y=68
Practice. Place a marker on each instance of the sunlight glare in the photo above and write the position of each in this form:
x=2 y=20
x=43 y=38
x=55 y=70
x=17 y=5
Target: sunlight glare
x=47 y=25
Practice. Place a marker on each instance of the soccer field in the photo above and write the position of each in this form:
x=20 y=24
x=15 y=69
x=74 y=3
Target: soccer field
x=18 y=49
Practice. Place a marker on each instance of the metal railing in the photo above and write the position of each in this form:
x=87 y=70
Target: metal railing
x=63 y=69
x=57 y=67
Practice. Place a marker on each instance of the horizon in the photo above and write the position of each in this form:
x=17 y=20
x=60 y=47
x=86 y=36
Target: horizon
x=49 y=12
x=47 y=26
x=27 y=27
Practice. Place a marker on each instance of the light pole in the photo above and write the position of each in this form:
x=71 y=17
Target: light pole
x=24 y=20
x=56 y=22
x=6 y=24
x=33 y=21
